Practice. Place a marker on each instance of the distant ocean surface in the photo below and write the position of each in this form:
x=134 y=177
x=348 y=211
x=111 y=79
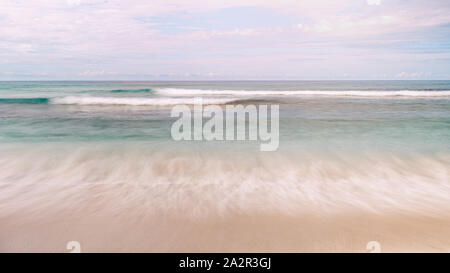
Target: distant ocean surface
x=375 y=146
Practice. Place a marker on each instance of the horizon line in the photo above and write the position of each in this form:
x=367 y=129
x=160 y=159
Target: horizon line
x=223 y=80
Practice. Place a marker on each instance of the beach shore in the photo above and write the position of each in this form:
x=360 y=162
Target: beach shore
x=96 y=163
x=122 y=231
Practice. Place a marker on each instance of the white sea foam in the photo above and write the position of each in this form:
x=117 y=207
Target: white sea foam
x=206 y=182
x=135 y=101
x=357 y=93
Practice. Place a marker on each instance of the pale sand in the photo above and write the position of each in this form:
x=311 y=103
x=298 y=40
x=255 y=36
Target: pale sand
x=104 y=231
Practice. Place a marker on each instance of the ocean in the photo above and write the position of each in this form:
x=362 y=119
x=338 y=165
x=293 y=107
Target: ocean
x=95 y=162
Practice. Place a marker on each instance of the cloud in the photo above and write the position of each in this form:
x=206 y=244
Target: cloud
x=120 y=37
x=411 y=75
x=73 y=2
x=97 y=73
x=356 y=24
x=373 y=2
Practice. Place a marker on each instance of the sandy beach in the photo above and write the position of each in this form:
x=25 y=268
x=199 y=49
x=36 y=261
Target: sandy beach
x=106 y=231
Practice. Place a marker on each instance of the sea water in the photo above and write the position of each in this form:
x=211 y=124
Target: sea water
x=379 y=146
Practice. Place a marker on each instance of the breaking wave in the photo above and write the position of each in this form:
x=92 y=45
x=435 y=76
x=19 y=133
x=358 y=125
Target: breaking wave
x=74 y=100
x=131 y=90
x=356 y=93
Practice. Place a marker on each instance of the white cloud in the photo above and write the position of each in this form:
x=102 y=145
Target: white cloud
x=96 y=73
x=73 y=2
x=356 y=24
x=373 y=2
x=112 y=36
x=412 y=75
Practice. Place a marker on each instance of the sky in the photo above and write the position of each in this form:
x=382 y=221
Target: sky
x=224 y=39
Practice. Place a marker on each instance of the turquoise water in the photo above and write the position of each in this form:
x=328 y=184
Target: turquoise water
x=367 y=144
x=140 y=111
